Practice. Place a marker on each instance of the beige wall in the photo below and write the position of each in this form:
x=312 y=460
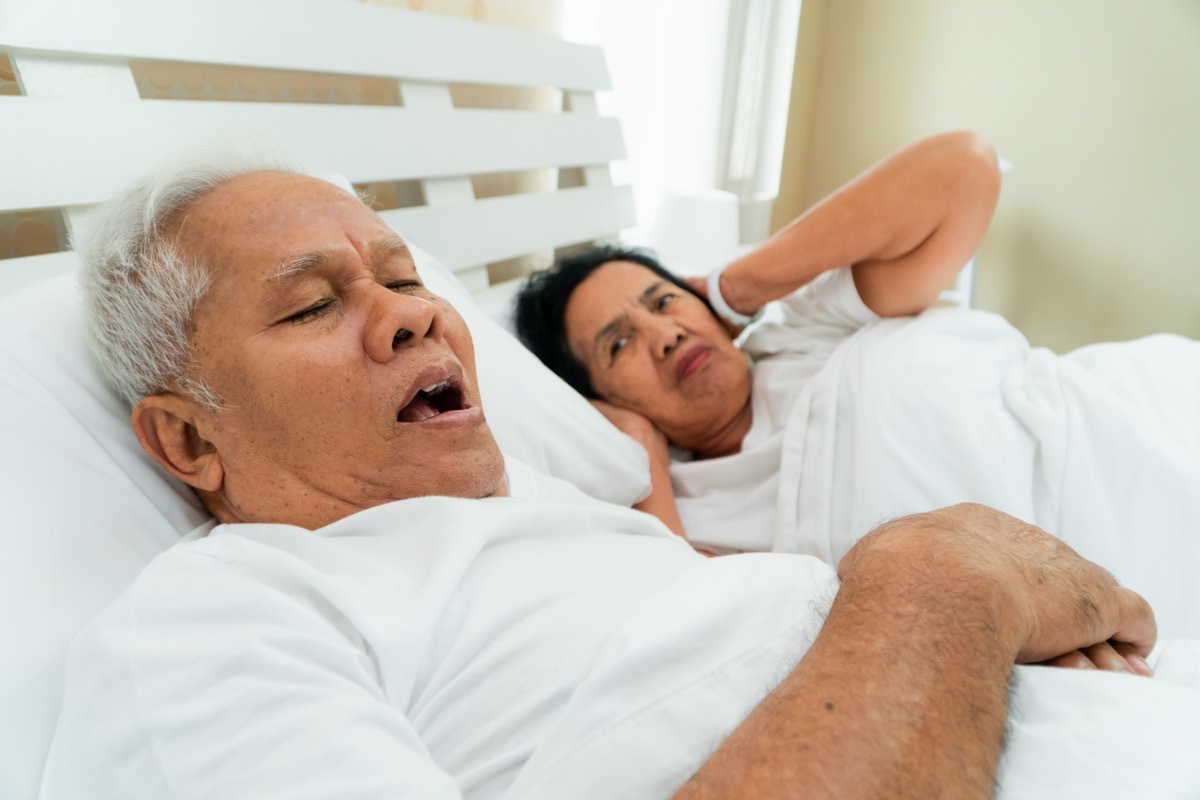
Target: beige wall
x=1097 y=104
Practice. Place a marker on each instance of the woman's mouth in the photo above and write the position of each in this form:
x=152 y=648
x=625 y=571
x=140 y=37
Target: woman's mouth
x=691 y=361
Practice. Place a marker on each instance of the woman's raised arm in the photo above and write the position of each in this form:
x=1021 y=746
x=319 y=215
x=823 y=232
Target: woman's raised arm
x=906 y=225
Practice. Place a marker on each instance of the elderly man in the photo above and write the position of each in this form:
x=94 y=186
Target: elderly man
x=389 y=609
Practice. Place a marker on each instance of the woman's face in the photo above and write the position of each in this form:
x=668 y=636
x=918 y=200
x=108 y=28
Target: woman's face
x=654 y=348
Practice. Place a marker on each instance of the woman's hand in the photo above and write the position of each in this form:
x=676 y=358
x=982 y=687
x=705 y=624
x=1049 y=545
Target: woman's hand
x=661 y=500
x=639 y=427
x=700 y=285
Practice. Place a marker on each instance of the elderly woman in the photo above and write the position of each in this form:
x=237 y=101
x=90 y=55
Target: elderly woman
x=854 y=406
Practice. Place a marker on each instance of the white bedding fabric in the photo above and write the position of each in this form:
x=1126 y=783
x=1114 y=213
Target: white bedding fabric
x=438 y=648
x=869 y=419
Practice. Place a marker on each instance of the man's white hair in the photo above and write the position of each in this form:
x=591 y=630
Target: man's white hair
x=140 y=293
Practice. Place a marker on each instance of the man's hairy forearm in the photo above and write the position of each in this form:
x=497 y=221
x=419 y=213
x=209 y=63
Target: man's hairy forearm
x=903 y=694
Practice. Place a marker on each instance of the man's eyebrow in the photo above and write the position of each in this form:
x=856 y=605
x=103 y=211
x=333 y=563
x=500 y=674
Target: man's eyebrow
x=619 y=320
x=317 y=259
x=290 y=267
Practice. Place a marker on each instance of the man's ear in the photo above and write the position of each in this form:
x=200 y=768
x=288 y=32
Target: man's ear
x=165 y=425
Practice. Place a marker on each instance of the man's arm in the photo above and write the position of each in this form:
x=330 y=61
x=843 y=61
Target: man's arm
x=904 y=692
x=907 y=225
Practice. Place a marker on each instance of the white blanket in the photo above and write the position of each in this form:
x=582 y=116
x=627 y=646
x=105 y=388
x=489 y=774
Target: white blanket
x=1100 y=447
x=542 y=646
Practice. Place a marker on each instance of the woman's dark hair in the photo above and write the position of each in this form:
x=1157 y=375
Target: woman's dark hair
x=541 y=306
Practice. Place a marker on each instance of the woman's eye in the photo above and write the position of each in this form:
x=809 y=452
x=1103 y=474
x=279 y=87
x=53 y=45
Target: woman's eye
x=401 y=286
x=312 y=312
x=664 y=301
x=618 y=345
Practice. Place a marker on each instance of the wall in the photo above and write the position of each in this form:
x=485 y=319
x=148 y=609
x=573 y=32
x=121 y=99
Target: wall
x=1097 y=235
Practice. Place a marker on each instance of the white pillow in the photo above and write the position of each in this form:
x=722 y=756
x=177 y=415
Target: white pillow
x=86 y=509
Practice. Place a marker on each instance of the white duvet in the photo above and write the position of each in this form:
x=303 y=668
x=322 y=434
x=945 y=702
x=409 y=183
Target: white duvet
x=858 y=420
x=541 y=646
x=1100 y=447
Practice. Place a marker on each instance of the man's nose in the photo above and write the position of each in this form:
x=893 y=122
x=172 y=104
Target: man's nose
x=398 y=320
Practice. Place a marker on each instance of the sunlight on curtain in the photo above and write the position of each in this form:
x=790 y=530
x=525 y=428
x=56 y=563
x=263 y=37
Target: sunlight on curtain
x=758 y=84
x=667 y=63
x=701 y=87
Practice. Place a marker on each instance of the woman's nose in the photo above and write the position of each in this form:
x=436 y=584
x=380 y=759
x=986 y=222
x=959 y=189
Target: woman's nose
x=664 y=335
x=398 y=320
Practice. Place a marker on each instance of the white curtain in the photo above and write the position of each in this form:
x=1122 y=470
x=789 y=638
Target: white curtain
x=701 y=87
x=758 y=79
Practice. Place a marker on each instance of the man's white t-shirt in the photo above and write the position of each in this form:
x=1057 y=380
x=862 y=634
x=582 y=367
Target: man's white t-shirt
x=434 y=647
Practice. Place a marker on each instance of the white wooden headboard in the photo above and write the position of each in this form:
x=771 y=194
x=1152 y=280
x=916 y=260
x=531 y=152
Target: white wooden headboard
x=80 y=131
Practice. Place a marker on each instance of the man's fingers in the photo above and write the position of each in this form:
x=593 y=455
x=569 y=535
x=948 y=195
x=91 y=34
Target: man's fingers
x=1135 y=626
x=1107 y=656
x=1072 y=660
x=1134 y=659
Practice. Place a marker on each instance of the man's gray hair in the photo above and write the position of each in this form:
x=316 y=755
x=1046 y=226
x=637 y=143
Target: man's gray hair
x=140 y=293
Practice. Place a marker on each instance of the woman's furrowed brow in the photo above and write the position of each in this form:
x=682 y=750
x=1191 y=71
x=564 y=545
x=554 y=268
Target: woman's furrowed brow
x=617 y=322
x=613 y=325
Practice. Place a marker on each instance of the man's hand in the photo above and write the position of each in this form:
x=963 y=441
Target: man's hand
x=1050 y=600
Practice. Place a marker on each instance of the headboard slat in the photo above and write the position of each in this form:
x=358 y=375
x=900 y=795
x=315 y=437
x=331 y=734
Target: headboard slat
x=45 y=138
x=18 y=272
x=363 y=89
x=497 y=228
x=315 y=36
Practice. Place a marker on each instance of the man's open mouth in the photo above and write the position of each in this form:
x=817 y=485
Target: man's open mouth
x=436 y=398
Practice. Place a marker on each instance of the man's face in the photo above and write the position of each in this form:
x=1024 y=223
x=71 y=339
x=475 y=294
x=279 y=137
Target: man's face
x=345 y=383
x=654 y=348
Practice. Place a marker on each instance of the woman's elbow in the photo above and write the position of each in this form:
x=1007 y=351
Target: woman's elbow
x=977 y=166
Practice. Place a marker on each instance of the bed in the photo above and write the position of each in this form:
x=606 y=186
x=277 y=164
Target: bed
x=86 y=509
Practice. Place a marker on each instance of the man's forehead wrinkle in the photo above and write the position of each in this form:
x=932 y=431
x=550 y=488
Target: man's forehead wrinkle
x=379 y=250
x=391 y=246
